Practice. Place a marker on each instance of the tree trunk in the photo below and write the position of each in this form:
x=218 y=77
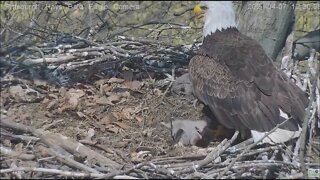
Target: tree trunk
x=268 y=22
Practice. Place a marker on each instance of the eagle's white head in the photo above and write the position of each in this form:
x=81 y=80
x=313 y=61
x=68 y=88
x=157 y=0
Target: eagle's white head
x=218 y=15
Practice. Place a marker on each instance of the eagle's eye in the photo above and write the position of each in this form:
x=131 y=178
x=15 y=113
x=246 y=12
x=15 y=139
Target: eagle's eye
x=204 y=8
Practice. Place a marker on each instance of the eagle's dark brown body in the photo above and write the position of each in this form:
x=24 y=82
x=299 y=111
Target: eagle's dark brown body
x=233 y=76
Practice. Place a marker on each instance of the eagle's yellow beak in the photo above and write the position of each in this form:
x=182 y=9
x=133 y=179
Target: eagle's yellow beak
x=198 y=11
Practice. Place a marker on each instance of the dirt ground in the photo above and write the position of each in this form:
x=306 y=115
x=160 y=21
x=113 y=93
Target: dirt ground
x=124 y=116
x=121 y=120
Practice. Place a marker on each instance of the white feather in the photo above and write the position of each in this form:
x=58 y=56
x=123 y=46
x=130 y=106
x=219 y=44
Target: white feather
x=219 y=15
x=278 y=136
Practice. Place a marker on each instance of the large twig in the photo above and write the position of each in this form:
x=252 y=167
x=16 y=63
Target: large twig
x=21 y=137
x=249 y=147
x=113 y=174
x=307 y=118
x=58 y=143
x=263 y=164
x=62 y=173
x=15 y=154
x=212 y=155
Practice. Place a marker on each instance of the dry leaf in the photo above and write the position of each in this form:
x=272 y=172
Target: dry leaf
x=122 y=100
x=115 y=80
x=45 y=101
x=133 y=85
x=81 y=115
x=52 y=104
x=157 y=92
x=72 y=96
x=75 y=92
x=100 y=82
x=113 y=99
x=118 y=115
x=73 y=102
x=25 y=95
x=147 y=133
x=122 y=125
x=121 y=144
x=101 y=127
x=128 y=113
x=139 y=119
x=102 y=101
x=44 y=151
x=39 y=82
x=114 y=129
x=53 y=96
x=103 y=122
x=18 y=147
x=106 y=88
x=62 y=91
x=7 y=143
x=107 y=101
x=124 y=94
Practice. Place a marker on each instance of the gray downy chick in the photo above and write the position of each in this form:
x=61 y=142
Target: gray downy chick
x=186 y=132
x=183 y=85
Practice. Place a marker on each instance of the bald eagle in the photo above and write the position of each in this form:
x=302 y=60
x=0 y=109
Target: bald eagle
x=234 y=77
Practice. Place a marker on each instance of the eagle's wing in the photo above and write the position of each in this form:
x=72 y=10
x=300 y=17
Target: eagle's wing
x=243 y=88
